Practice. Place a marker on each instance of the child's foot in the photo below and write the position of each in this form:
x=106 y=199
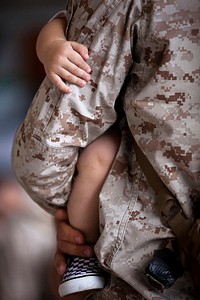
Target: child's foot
x=82 y=274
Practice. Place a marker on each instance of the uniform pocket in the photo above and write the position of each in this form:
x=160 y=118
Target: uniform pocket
x=43 y=106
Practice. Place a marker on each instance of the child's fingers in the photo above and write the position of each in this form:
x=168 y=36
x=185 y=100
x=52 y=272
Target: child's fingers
x=81 y=49
x=74 y=74
x=79 y=56
x=59 y=83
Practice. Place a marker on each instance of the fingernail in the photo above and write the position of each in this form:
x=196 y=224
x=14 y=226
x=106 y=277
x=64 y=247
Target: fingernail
x=86 y=56
x=78 y=240
x=61 y=269
x=87 y=252
x=88 y=69
x=87 y=77
x=82 y=83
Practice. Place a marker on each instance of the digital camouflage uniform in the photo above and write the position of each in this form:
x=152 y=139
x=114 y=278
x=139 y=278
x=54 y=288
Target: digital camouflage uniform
x=158 y=44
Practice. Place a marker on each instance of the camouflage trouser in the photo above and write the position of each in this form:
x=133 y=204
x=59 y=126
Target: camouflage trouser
x=57 y=125
x=162 y=106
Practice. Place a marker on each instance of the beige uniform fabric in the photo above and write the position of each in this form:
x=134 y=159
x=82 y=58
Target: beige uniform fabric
x=162 y=106
x=57 y=125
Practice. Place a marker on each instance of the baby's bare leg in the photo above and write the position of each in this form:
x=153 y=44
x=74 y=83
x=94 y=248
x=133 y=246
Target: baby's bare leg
x=93 y=167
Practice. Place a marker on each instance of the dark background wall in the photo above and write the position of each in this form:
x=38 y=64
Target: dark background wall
x=27 y=236
x=20 y=71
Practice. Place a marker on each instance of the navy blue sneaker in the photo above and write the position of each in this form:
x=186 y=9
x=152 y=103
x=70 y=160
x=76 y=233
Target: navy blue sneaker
x=82 y=274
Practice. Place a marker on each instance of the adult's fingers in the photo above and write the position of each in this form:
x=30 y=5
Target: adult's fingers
x=61 y=214
x=60 y=262
x=70 y=240
x=75 y=249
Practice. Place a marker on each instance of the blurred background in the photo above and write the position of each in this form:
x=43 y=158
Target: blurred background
x=27 y=237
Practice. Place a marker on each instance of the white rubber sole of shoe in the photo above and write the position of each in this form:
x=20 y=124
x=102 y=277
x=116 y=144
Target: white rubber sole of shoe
x=80 y=285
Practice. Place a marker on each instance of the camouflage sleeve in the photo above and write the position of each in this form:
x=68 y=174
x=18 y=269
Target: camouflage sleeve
x=162 y=99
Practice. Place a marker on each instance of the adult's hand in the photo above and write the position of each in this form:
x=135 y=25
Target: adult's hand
x=69 y=241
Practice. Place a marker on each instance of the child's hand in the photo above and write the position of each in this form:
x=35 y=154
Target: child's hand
x=66 y=61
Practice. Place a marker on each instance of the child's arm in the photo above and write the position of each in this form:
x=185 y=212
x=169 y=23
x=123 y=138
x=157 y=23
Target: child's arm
x=62 y=59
